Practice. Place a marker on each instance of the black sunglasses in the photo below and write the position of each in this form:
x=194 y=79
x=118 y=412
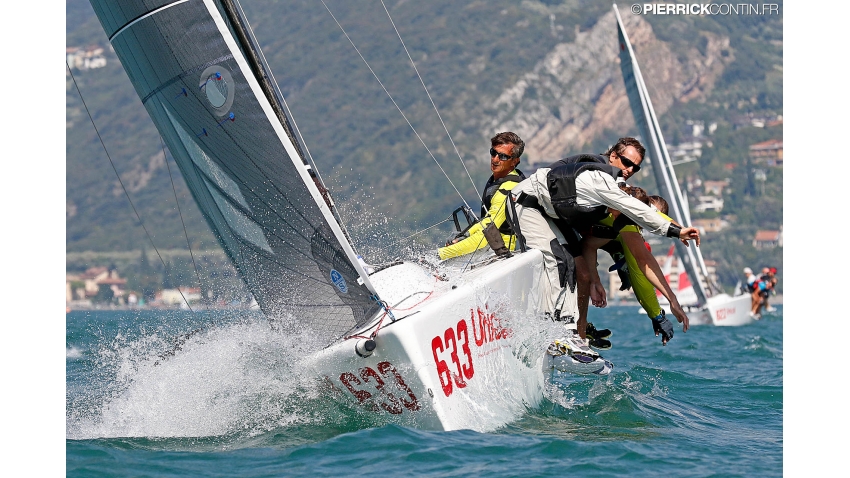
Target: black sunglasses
x=628 y=162
x=502 y=156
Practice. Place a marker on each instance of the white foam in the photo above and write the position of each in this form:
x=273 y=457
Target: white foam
x=233 y=379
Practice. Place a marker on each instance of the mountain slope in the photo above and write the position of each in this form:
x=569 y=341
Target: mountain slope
x=546 y=70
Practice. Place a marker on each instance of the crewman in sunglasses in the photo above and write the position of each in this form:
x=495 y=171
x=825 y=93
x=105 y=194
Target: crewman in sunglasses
x=557 y=203
x=505 y=151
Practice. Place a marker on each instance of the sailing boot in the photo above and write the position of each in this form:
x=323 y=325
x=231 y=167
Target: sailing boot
x=591 y=330
x=596 y=338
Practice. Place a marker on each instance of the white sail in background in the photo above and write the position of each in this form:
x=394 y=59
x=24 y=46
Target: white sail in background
x=662 y=167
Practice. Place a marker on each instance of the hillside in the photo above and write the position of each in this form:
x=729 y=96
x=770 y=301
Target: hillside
x=546 y=70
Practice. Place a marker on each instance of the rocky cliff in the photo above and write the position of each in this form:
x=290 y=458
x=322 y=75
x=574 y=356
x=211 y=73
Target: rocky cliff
x=576 y=92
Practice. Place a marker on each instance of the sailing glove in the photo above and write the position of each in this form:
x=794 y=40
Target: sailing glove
x=663 y=326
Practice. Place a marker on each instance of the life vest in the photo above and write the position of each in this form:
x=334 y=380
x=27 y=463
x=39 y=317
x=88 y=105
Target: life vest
x=561 y=181
x=490 y=189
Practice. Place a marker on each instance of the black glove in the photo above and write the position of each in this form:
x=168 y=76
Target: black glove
x=622 y=270
x=663 y=326
x=619 y=261
x=455 y=239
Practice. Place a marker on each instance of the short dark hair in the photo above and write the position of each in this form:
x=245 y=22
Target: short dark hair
x=660 y=203
x=507 y=137
x=624 y=143
x=636 y=192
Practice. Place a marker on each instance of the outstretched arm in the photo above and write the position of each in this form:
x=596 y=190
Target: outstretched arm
x=650 y=268
x=597 y=186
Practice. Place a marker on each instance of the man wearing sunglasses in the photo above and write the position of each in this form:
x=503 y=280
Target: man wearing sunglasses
x=505 y=151
x=557 y=203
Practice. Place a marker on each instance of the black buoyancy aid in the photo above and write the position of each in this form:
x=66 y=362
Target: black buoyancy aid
x=561 y=181
x=490 y=189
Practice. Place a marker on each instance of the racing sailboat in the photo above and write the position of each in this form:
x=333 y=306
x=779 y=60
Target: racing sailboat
x=417 y=346
x=708 y=304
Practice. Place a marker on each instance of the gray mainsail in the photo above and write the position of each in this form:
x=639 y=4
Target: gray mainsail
x=205 y=84
x=662 y=167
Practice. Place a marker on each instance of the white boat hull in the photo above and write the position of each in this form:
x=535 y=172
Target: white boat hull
x=726 y=310
x=449 y=361
x=461 y=354
x=723 y=310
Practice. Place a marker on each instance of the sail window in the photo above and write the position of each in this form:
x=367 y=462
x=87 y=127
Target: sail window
x=216 y=89
x=217 y=85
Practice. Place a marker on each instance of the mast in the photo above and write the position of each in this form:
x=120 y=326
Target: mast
x=662 y=169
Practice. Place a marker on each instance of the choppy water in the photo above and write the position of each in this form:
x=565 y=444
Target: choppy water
x=710 y=403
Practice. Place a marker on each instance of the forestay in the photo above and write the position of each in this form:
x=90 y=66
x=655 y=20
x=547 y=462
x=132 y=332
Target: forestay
x=193 y=65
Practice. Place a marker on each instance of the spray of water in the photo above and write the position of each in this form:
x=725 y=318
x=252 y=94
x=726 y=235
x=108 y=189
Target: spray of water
x=239 y=379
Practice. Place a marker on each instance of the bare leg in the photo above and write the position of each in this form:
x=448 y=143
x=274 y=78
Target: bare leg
x=756 y=300
x=583 y=286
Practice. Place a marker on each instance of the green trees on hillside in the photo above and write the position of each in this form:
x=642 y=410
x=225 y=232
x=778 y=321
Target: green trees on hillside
x=374 y=164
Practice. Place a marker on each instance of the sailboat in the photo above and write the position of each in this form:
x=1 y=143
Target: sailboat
x=707 y=304
x=685 y=292
x=420 y=347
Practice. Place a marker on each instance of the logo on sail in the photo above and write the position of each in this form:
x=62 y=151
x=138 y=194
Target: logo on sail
x=339 y=281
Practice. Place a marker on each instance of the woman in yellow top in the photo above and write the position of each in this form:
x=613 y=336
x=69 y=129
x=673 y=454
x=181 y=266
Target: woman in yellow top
x=645 y=275
x=505 y=151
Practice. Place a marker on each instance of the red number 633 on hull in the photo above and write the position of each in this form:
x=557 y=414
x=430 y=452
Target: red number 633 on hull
x=455 y=340
x=393 y=394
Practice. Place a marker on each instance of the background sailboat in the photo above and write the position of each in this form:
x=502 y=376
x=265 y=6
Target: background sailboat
x=710 y=304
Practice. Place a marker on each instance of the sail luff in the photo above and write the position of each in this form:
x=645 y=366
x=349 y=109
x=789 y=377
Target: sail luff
x=270 y=92
x=644 y=115
x=667 y=164
x=640 y=110
x=264 y=75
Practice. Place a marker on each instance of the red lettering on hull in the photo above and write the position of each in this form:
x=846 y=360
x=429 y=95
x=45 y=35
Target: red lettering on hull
x=385 y=381
x=455 y=341
x=722 y=314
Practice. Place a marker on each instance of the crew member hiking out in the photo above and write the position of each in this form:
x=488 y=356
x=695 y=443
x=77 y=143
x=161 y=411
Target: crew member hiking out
x=557 y=202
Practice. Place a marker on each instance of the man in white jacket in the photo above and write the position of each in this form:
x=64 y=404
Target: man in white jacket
x=557 y=204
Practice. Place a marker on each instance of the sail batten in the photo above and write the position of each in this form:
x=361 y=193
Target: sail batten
x=239 y=158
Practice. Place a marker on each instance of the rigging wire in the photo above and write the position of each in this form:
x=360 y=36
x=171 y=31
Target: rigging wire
x=396 y=104
x=432 y=100
x=179 y=211
x=126 y=193
x=181 y=339
x=182 y=222
x=483 y=238
x=380 y=249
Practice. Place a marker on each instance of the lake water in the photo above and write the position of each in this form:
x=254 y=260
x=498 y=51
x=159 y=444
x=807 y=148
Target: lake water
x=710 y=403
